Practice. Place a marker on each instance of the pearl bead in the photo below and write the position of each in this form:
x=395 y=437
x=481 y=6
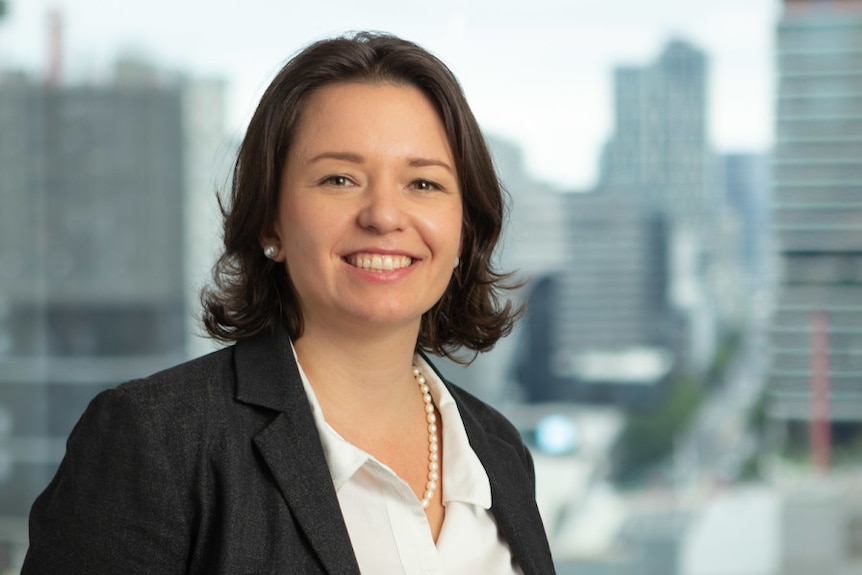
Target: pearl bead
x=433 y=445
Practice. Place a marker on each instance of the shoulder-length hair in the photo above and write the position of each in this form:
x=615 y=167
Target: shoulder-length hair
x=251 y=293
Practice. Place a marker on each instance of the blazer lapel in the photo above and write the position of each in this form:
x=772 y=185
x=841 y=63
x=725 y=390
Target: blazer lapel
x=512 y=497
x=267 y=376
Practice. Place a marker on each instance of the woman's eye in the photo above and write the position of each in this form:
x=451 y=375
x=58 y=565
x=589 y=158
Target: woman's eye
x=425 y=185
x=337 y=181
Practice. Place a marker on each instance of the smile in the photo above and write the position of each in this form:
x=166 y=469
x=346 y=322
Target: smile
x=379 y=263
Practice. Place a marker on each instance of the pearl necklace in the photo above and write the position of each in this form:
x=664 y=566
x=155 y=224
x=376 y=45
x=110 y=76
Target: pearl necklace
x=433 y=447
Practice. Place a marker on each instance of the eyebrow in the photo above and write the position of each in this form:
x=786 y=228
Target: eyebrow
x=423 y=162
x=344 y=156
x=358 y=159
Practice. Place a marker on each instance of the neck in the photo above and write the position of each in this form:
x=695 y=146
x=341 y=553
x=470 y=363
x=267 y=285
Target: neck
x=359 y=373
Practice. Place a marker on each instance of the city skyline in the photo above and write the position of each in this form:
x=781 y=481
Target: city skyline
x=550 y=62
x=731 y=487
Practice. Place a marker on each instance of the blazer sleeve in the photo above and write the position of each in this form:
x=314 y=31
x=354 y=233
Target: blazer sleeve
x=114 y=505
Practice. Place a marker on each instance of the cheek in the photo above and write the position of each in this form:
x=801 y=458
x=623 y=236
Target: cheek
x=443 y=231
x=313 y=231
x=295 y=240
x=299 y=222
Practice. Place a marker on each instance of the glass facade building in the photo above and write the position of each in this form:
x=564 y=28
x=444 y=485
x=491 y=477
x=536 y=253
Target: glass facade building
x=816 y=332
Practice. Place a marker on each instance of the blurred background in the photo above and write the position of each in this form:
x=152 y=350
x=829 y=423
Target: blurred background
x=685 y=183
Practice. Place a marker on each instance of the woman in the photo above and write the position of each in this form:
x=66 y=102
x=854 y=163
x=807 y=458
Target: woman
x=364 y=215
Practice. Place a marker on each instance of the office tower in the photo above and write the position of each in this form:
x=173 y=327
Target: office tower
x=637 y=293
x=615 y=279
x=613 y=322
x=659 y=154
x=636 y=266
x=816 y=334
x=94 y=199
x=659 y=157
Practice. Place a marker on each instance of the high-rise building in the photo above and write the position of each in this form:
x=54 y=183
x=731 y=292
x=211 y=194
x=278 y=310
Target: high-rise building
x=659 y=153
x=638 y=291
x=816 y=332
x=614 y=338
x=660 y=157
x=94 y=203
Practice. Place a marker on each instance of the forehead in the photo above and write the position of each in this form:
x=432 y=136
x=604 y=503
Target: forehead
x=370 y=114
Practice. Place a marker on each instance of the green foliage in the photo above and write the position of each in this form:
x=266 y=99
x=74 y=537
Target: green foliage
x=751 y=470
x=757 y=414
x=724 y=356
x=648 y=437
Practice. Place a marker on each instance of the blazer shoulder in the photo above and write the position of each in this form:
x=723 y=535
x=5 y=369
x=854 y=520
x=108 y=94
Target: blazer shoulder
x=194 y=379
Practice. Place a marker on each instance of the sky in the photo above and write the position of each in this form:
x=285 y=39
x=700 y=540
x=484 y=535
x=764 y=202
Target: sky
x=536 y=72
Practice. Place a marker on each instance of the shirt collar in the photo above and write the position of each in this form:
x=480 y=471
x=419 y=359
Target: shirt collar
x=464 y=477
x=342 y=457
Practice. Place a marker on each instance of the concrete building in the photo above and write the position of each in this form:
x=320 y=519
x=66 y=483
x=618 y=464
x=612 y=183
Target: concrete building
x=94 y=204
x=816 y=332
x=613 y=322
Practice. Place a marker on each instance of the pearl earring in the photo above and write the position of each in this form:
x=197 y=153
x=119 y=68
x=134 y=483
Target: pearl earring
x=270 y=251
x=457 y=262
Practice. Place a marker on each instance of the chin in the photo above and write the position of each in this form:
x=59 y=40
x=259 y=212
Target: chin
x=389 y=317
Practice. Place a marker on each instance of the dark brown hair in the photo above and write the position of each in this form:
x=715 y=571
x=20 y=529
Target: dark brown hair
x=251 y=292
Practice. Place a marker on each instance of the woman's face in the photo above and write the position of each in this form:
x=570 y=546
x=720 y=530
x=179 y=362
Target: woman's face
x=369 y=218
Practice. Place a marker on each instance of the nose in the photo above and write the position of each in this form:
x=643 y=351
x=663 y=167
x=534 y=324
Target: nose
x=382 y=210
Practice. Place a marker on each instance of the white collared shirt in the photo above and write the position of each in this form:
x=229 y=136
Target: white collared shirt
x=386 y=522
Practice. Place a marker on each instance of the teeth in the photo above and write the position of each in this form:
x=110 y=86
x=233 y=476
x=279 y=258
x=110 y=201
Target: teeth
x=379 y=263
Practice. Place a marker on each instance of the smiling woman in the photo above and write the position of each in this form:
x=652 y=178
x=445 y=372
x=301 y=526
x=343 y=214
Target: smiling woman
x=364 y=215
x=249 y=297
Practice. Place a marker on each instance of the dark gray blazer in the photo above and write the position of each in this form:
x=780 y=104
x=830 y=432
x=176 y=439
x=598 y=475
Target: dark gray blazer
x=215 y=466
